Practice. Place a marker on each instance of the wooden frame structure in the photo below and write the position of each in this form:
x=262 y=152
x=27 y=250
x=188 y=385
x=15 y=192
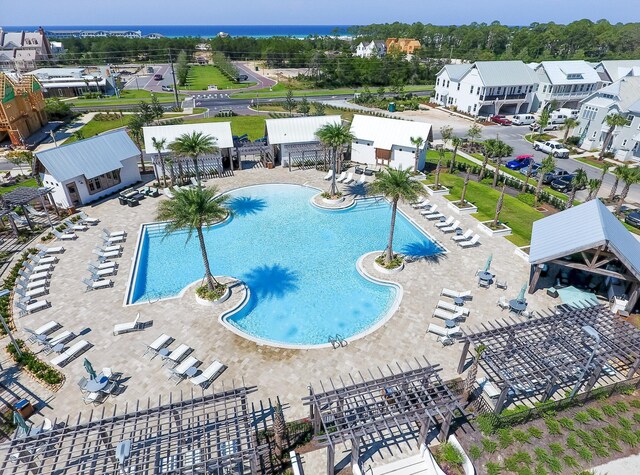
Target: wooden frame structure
x=534 y=359
x=363 y=406
x=296 y=153
x=205 y=434
x=252 y=149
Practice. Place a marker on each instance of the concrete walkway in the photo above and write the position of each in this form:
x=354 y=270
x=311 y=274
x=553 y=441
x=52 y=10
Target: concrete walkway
x=624 y=466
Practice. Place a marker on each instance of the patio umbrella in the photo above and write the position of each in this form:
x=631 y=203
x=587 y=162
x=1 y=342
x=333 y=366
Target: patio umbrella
x=89 y=368
x=487 y=265
x=521 y=294
x=20 y=422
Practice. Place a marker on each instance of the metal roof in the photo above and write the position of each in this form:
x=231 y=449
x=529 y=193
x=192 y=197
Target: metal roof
x=297 y=129
x=385 y=133
x=558 y=72
x=221 y=131
x=90 y=157
x=616 y=69
x=582 y=227
x=505 y=73
x=456 y=71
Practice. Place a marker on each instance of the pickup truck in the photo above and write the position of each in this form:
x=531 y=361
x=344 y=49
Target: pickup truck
x=552 y=147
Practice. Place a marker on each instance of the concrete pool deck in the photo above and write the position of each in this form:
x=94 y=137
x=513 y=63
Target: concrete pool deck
x=275 y=371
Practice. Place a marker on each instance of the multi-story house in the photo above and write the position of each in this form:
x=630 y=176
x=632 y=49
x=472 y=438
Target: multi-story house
x=21 y=50
x=21 y=107
x=487 y=87
x=621 y=97
x=404 y=45
x=612 y=70
x=565 y=82
x=371 y=49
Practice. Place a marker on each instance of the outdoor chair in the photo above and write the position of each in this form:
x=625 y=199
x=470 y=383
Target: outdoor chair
x=36 y=306
x=431 y=210
x=501 y=284
x=447 y=315
x=179 y=372
x=107 y=255
x=64 y=237
x=110 y=240
x=60 y=338
x=463 y=237
x=329 y=175
x=97 y=284
x=75 y=227
x=73 y=352
x=451 y=228
x=126 y=327
x=359 y=171
x=112 y=248
x=50 y=249
x=342 y=177
x=41 y=258
x=82 y=384
x=86 y=219
x=104 y=265
x=177 y=355
x=445 y=223
x=33 y=293
x=445 y=340
x=465 y=294
x=348 y=179
x=35 y=212
x=113 y=233
x=503 y=303
x=101 y=272
x=209 y=374
x=475 y=240
x=453 y=308
x=168 y=193
x=368 y=171
x=29 y=285
x=362 y=180
x=157 y=344
x=92 y=398
x=34 y=269
x=111 y=388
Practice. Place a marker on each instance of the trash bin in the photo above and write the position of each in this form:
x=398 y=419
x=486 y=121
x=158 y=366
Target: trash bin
x=392 y=106
x=257 y=68
x=24 y=408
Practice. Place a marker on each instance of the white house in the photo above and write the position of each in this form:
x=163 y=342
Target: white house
x=90 y=169
x=487 y=87
x=621 y=97
x=612 y=70
x=383 y=141
x=71 y=82
x=292 y=136
x=565 y=82
x=371 y=49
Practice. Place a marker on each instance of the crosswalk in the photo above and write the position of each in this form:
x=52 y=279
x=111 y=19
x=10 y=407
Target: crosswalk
x=211 y=96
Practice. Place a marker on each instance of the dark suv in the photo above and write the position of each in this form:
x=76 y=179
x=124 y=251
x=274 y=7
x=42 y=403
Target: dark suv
x=554 y=174
x=633 y=219
x=563 y=184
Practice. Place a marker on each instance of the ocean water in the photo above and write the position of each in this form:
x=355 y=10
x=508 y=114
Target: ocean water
x=208 y=31
x=298 y=261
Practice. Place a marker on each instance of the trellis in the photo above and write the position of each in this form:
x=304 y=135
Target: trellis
x=209 y=166
x=375 y=405
x=204 y=434
x=300 y=155
x=253 y=149
x=535 y=359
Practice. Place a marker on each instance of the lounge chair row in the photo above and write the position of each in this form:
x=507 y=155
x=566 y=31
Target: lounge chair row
x=33 y=282
x=345 y=178
x=71 y=353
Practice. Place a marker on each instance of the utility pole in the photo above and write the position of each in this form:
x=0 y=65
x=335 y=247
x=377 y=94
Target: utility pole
x=173 y=75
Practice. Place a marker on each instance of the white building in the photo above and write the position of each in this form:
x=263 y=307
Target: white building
x=94 y=33
x=371 y=49
x=90 y=169
x=612 y=70
x=71 y=82
x=565 y=82
x=621 y=97
x=291 y=136
x=387 y=142
x=487 y=87
x=21 y=50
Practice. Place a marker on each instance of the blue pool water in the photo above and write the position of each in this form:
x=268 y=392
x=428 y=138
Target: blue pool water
x=298 y=261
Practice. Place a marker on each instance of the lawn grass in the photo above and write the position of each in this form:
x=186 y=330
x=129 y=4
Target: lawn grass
x=279 y=90
x=515 y=214
x=539 y=137
x=95 y=127
x=252 y=125
x=127 y=97
x=328 y=110
x=200 y=77
x=30 y=183
x=593 y=161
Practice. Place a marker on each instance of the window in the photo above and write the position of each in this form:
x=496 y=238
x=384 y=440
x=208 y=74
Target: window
x=624 y=143
x=589 y=113
x=574 y=76
x=475 y=106
x=448 y=82
x=103 y=182
x=471 y=91
x=629 y=118
x=438 y=82
x=478 y=90
x=458 y=88
x=544 y=89
x=593 y=136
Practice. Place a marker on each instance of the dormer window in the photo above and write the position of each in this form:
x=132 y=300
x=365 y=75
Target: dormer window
x=574 y=76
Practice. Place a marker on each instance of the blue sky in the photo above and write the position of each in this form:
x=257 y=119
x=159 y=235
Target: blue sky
x=287 y=12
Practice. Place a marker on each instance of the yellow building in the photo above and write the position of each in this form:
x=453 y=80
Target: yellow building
x=405 y=45
x=21 y=107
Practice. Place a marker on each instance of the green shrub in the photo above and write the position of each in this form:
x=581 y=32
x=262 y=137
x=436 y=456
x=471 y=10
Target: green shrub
x=608 y=410
x=585 y=454
x=587 y=438
x=527 y=198
x=541 y=454
x=475 y=452
x=614 y=445
x=535 y=432
x=556 y=448
x=524 y=471
x=554 y=464
x=540 y=470
x=451 y=454
x=504 y=438
x=38 y=368
x=635 y=403
x=204 y=293
x=636 y=417
x=566 y=423
x=486 y=423
x=613 y=431
x=625 y=422
x=570 y=461
x=629 y=438
x=621 y=407
x=492 y=468
x=600 y=451
x=599 y=435
x=489 y=445
x=572 y=442
x=521 y=436
x=553 y=426
x=595 y=414
x=582 y=417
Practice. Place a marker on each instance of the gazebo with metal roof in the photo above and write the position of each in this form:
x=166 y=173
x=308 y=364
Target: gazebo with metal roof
x=570 y=349
x=590 y=239
x=374 y=405
x=205 y=434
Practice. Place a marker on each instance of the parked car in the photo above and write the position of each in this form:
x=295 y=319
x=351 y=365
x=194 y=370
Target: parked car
x=523 y=119
x=554 y=174
x=534 y=127
x=633 y=219
x=555 y=149
x=522 y=161
x=167 y=88
x=557 y=118
x=158 y=77
x=500 y=119
x=149 y=69
x=563 y=184
x=243 y=77
x=534 y=169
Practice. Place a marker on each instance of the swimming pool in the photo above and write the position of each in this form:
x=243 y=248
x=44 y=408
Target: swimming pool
x=298 y=261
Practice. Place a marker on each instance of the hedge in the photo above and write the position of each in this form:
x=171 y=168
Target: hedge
x=9 y=282
x=38 y=368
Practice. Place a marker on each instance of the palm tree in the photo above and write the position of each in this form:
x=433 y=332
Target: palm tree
x=579 y=180
x=499 y=204
x=548 y=164
x=135 y=127
x=631 y=176
x=483 y=168
x=279 y=430
x=417 y=143
x=464 y=187
x=192 y=209
x=470 y=380
x=618 y=172
x=605 y=169
x=334 y=136
x=594 y=186
x=542 y=121
x=395 y=185
x=569 y=124
x=527 y=176
x=193 y=145
x=159 y=146
x=456 y=142
x=613 y=121
x=172 y=174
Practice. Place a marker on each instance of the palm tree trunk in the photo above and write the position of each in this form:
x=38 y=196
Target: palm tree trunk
x=415 y=159
x=614 y=188
x=164 y=171
x=496 y=172
x=195 y=165
x=211 y=281
x=438 y=174
x=623 y=196
x=464 y=186
x=606 y=141
x=470 y=379
x=334 y=186
x=572 y=196
x=484 y=167
x=389 y=254
x=604 y=172
x=453 y=159
x=538 y=188
x=498 y=207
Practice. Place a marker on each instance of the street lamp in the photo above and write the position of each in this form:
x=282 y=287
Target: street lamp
x=595 y=336
x=4 y=293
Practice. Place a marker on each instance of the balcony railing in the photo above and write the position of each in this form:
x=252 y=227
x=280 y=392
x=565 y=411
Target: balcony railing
x=503 y=97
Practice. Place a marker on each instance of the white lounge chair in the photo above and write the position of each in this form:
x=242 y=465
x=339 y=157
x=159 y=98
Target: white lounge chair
x=452 y=227
x=32 y=307
x=168 y=193
x=97 y=284
x=488 y=388
x=21 y=220
x=64 y=237
x=64 y=358
x=422 y=200
x=35 y=212
x=422 y=205
x=61 y=338
x=101 y=272
x=86 y=219
x=126 y=327
x=50 y=249
x=349 y=179
x=445 y=315
x=104 y=265
x=179 y=371
x=466 y=294
x=33 y=293
x=113 y=233
x=434 y=216
x=362 y=180
x=463 y=237
x=47 y=328
x=173 y=358
x=453 y=308
x=107 y=255
x=342 y=177
x=34 y=269
x=157 y=344
x=76 y=227
x=328 y=175
x=441 y=331
x=432 y=210
x=209 y=374
x=470 y=243
x=42 y=259
x=446 y=223
x=109 y=240
x=33 y=277
x=503 y=303
x=115 y=247
x=25 y=284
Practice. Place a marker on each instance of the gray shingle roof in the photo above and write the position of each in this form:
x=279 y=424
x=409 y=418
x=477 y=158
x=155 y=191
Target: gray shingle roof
x=582 y=227
x=505 y=73
x=90 y=157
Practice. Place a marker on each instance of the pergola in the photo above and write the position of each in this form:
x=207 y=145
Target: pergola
x=533 y=359
x=368 y=405
x=252 y=149
x=205 y=434
x=301 y=153
x=22 y=196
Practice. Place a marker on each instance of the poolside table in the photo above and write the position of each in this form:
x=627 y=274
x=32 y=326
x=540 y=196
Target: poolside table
x=58 y=348
x=485 y=276
x=449 y=323
x=517 y=306
x=459 y=301
x=163 y=352
x=96 y=385
x=191 y=372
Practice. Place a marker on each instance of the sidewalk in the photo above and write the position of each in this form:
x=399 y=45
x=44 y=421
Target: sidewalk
x=624 y=466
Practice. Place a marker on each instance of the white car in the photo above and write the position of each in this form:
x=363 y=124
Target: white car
x=523 y=119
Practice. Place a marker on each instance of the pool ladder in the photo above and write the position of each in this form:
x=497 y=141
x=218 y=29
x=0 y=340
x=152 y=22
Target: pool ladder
x=337 y=341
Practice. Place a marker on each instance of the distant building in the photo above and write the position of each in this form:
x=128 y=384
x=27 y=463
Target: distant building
x=72 y=82
x=405 y=45
x=21 y=50
x=621 y=97
x=565 y=82
x=387 y=142
x=94 y=33
x=611 y=71
x=371 y=49
x=21 y=107
x=487 y=87
x=89 y=169
x=154 y=36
